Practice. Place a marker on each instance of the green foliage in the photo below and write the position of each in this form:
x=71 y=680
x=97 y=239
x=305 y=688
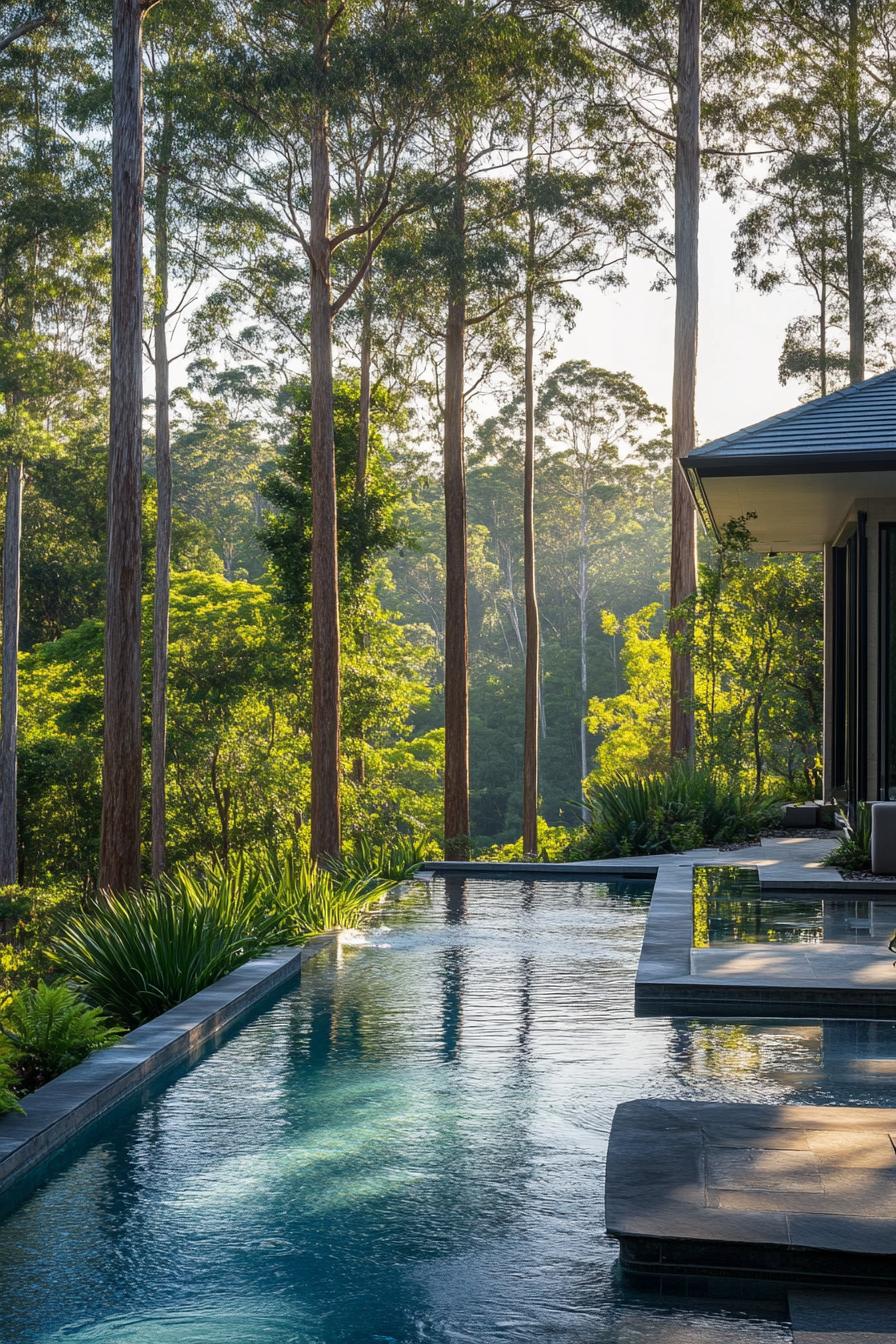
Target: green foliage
x=306 y=898
x=396 y=859
x=137 y=955
x=853 y=852
x=238 y=730
x=30 y=918
x=754 y=631
x=368 y=525
x=48 y=1029
x=8 y=1099
x=554 y=846
x=676 y=810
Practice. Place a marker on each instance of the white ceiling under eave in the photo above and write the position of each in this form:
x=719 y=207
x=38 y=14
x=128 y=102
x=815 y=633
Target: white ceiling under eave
x=799 y=512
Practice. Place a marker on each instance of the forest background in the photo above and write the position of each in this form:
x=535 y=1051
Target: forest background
x=541 y=164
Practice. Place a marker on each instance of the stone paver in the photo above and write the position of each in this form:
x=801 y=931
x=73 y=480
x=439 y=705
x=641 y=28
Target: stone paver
x=842 y=1318
x=775 y=1193
x=828 y=964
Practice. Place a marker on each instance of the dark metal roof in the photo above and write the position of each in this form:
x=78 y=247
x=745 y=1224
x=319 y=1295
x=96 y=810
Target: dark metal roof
x=835 y=433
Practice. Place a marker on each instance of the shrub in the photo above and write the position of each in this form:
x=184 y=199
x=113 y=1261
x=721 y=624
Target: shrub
x=397 y=859
x=853 y=853
x=554 y=846
x=662 y=813
x=8 y=1099
x=30 y=918
x=137 y=955
x=50 y=1029
x=306 y=898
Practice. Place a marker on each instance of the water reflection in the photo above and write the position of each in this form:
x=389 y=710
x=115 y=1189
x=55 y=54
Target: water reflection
x=409 y=1149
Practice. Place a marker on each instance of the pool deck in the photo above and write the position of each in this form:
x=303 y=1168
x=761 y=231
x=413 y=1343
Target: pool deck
x=833 y=979
x=769 y=1196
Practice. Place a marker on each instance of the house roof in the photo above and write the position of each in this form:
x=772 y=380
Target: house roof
x=801 y=472
x=856 y=421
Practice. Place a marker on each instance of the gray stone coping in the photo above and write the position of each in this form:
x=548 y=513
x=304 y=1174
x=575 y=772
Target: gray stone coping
x=834 y=986
x=63 y=1108
x=793 y=1194
x=640 y=868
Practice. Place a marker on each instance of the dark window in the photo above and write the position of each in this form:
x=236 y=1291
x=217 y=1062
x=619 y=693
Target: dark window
x=887 y=788
x=850 y=661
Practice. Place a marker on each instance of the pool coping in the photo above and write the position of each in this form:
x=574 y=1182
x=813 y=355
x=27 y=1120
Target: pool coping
x=665 y=984
x=60 y=1110
x=586 y=869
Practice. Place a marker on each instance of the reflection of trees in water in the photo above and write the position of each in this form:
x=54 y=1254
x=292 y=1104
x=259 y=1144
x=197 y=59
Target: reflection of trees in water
x=455 y=900
x=787 y=1060
x=452 y=981
x=524 y=1034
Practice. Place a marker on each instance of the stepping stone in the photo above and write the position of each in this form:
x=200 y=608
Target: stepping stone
x=774 y=1194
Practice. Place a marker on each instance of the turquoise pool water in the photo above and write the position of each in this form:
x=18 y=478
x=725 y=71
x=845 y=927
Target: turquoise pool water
x=410 y=1148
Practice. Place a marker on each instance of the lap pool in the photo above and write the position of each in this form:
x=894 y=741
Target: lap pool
x=409 y=1149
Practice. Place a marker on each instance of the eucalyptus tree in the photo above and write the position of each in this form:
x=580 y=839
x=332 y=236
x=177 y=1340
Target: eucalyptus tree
x=794 y=235
x=824 y=113
x=122 y=718
x=179 y=152
x=687 y=64
x=586 y=201
x=604 y=432
x=472 y=248
x=52 y=301
x=23 y=19
x=683 y=558
x=290 y=77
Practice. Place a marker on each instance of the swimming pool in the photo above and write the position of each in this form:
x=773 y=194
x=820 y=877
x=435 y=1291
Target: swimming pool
x=730 y=907
x=409 y=1149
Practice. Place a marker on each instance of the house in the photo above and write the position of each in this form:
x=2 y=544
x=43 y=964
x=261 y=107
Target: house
x=822 y=477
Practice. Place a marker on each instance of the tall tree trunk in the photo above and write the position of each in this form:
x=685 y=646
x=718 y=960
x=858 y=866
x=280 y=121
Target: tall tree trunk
x=457 y=742
x=9 y=709
x=533 y=635
x=855 y=234
x=583 y=647
x=122 y=766
x=823 y=313
x=162 y=593
x=359 y=771
x=683 y=568
x=325 y=653
x=366 y=359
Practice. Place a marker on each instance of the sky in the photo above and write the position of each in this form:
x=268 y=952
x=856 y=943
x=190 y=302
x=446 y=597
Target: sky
x=741 y=332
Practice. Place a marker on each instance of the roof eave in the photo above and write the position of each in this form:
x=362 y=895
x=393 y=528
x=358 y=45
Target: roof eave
x=766 y=463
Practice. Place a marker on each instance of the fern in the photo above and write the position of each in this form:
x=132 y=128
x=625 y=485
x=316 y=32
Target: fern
x=50 y=1029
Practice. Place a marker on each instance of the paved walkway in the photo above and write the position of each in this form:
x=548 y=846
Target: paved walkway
x=786 y=858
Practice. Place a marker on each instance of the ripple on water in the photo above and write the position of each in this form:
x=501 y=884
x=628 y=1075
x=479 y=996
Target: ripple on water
x=407 y=1150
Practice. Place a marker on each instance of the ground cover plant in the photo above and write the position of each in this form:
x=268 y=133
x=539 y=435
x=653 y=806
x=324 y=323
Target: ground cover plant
x=853 y=852
x=671 y=810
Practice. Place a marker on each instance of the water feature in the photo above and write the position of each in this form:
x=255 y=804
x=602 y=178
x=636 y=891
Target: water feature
x=409 y=1149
